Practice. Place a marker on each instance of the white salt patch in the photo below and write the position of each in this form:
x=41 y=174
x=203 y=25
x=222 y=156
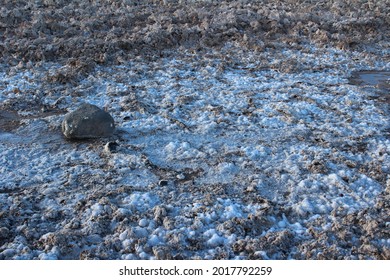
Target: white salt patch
x=97 y=210
x=305 y=206
x=123 y=235
x=215 y=240
x=154 y=240
x=270 y=147
x=282 y=224
x=141 y=201
x=143 y=223
x=130 y=257
x=231 y=239
x=230 y=209
x=138 y=178
x=262 y=254
x=127 y=243
x=144 y=256
x=140 y=232
x=48 y=256
x=122 y=212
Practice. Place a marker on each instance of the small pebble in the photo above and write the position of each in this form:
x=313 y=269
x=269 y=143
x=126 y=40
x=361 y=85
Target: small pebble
x=4 y=232
x=111 y=147
x=163 y=183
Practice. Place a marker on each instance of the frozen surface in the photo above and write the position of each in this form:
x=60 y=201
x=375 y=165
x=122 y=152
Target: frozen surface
x=217 y=156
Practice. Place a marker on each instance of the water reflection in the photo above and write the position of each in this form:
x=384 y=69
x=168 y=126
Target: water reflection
x=377 y=79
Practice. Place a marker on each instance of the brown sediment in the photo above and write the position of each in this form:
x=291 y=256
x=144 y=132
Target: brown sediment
x=102 y=32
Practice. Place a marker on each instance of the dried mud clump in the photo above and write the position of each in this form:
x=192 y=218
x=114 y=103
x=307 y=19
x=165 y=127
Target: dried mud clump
x=112 y=31
x=351 y=236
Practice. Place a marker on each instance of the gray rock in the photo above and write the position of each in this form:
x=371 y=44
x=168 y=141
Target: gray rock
x=88 y=121
x=4 y=232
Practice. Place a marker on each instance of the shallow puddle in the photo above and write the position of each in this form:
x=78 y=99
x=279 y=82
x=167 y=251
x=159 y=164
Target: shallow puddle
x=377 y=79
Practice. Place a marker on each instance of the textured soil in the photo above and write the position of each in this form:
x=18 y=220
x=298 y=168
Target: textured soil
x=84 y=33
x=82 y=36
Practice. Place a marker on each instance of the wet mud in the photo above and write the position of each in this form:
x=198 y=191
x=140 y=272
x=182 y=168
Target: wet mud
x=10 y=120
x=372 y=78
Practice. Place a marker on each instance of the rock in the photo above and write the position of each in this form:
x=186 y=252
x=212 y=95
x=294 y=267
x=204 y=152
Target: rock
x=163 y=183
x=88 y=121
x=111 y=147
x=4 y=233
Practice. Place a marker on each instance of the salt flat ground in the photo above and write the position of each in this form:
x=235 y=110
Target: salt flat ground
x=222 y=153
x=247 y=153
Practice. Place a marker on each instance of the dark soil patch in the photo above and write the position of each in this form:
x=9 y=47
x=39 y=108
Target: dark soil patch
x=114 y=31
x=10 y=119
